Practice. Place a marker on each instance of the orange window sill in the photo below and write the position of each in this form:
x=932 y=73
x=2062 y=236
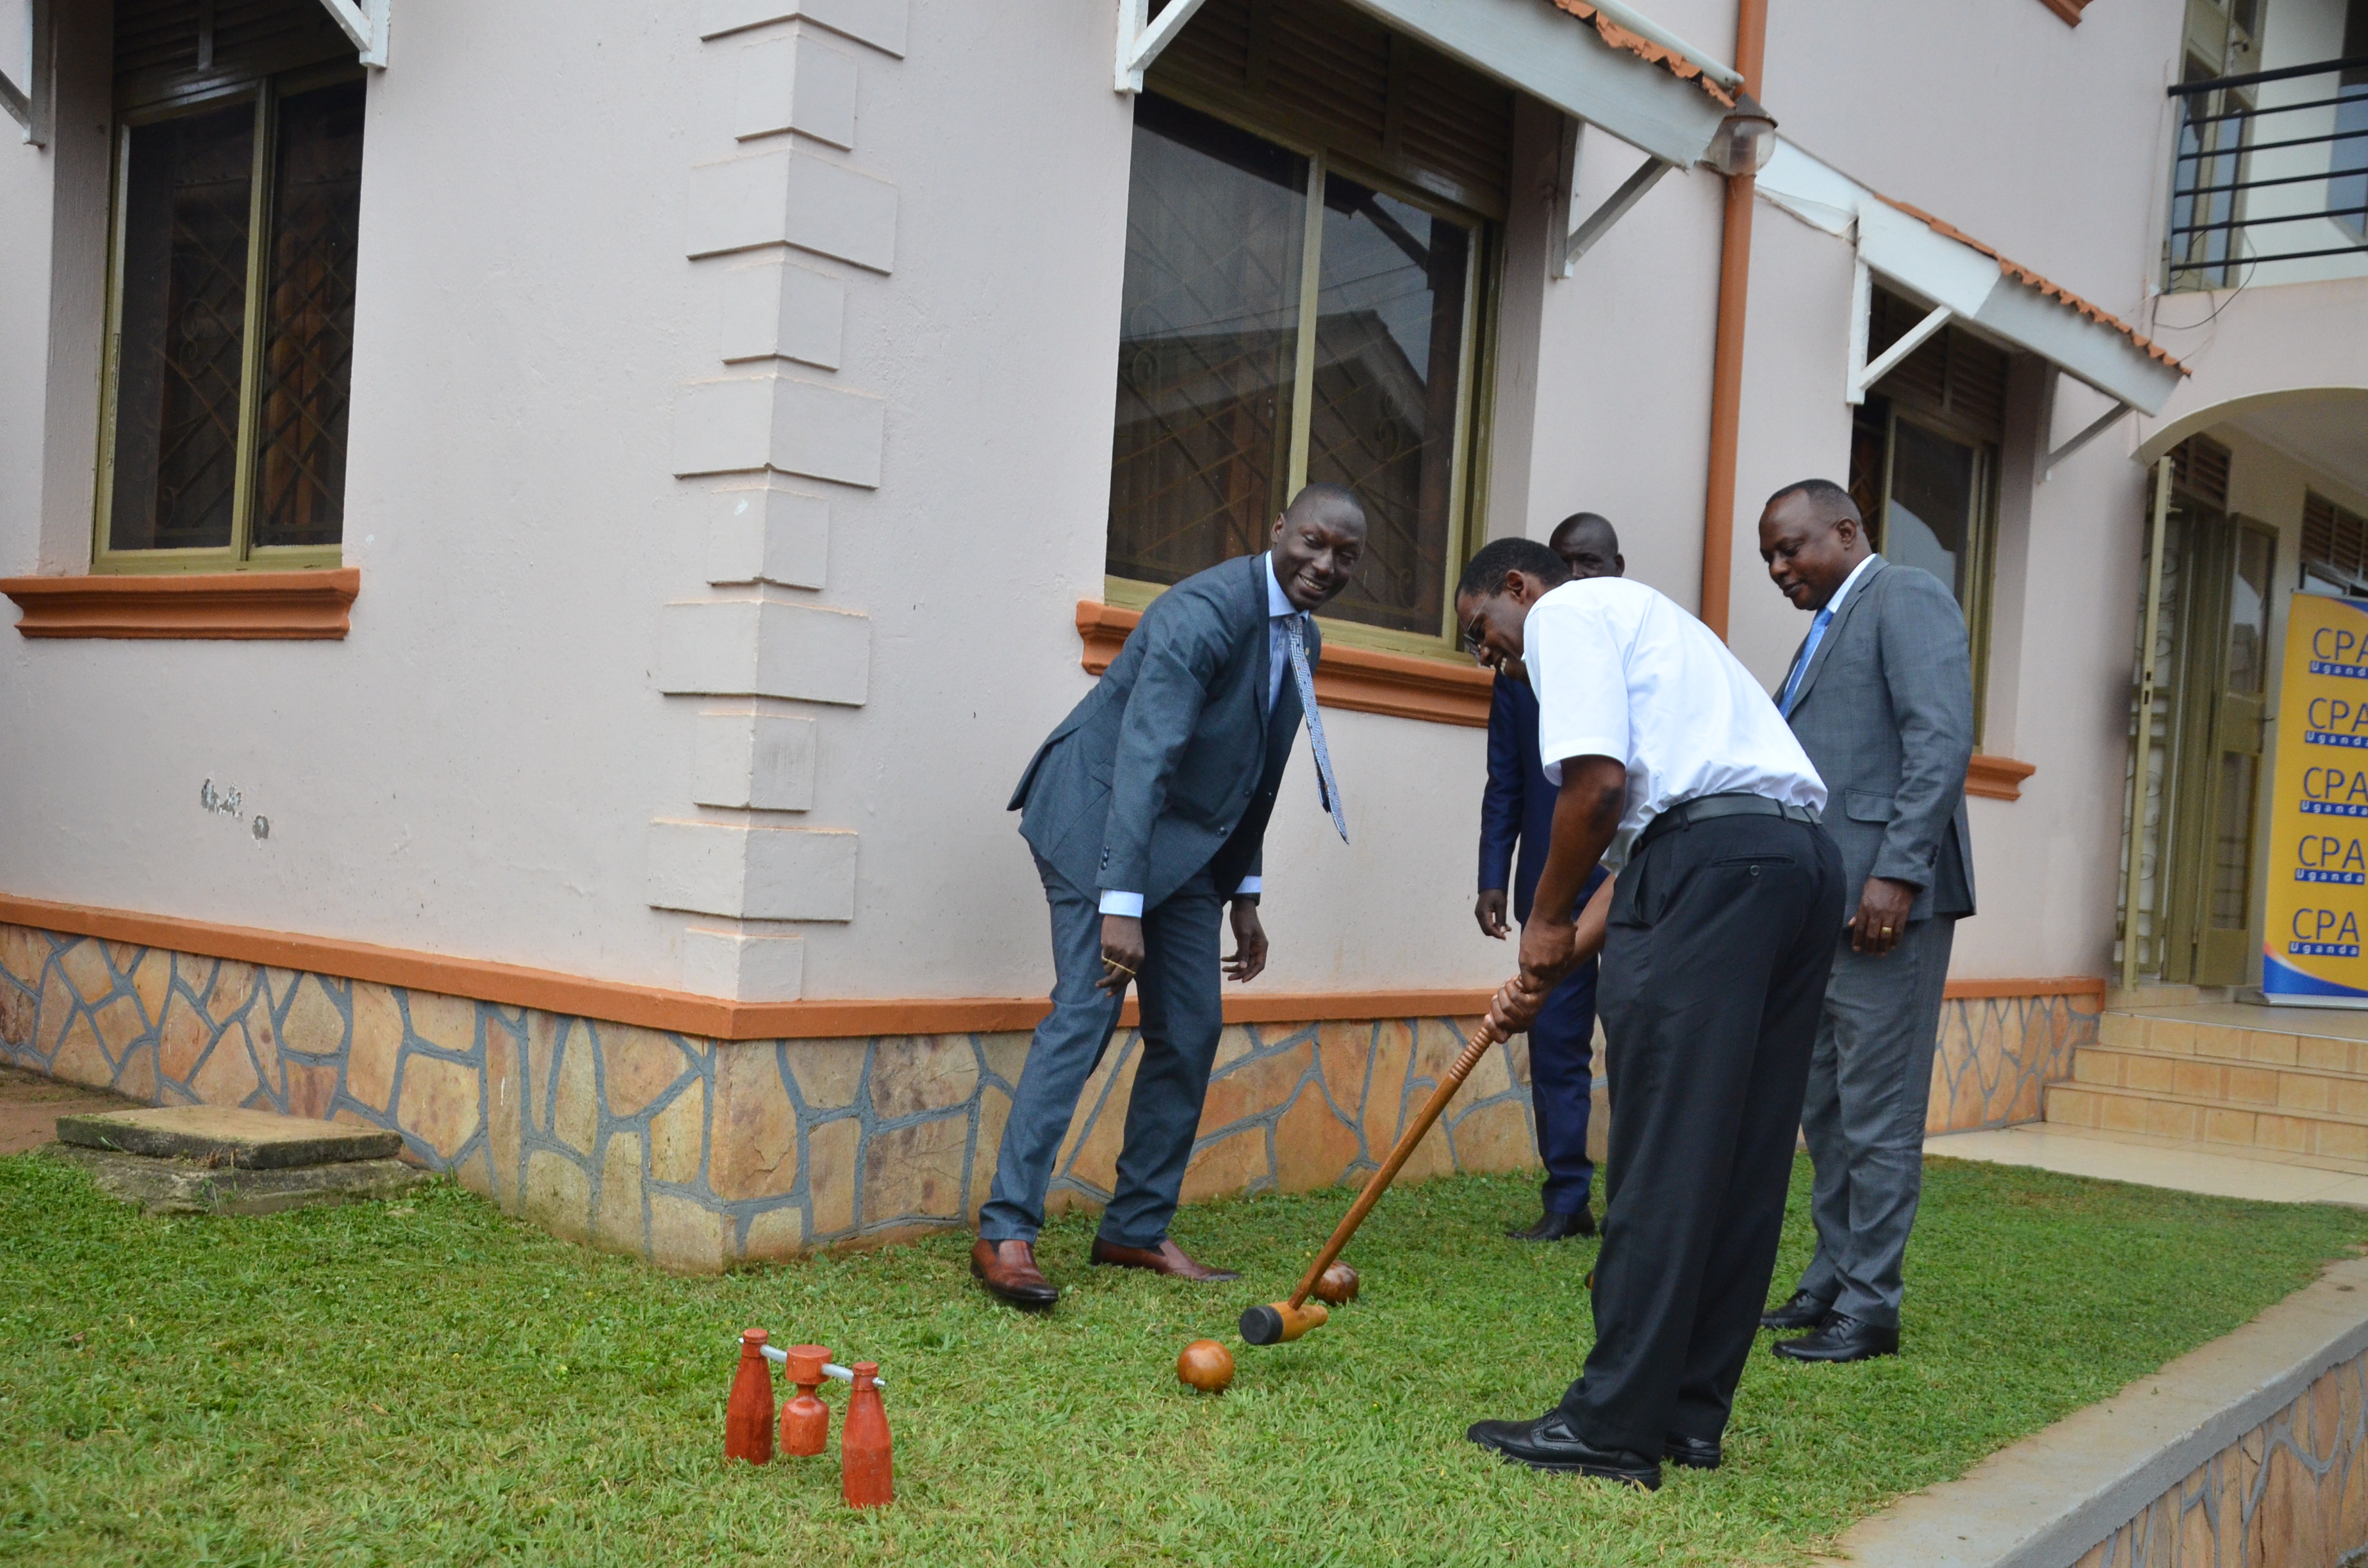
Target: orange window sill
x=1996 y=778
x=240 y=606
x=1363 y=680
x=1440 y=691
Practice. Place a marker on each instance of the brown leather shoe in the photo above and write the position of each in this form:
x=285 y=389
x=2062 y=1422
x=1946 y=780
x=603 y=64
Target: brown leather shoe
x=1166 y=1258
x=1008 y=1269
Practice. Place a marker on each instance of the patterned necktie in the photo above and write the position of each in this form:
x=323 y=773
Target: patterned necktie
x=1294 y=630
x=1809 y=652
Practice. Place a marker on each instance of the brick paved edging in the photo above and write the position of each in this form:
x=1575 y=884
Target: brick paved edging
x=2246 y=1453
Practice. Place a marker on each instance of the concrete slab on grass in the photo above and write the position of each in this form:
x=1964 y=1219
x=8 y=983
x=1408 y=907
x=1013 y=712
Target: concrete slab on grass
x=2049 y=1498
x=227 y=1136
x=182 y=1187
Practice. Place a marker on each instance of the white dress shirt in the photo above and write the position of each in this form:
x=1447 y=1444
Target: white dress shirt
x=1621 y=671
x=1278 y=609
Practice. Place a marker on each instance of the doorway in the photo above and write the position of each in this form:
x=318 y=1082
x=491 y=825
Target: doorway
x=2217 y=702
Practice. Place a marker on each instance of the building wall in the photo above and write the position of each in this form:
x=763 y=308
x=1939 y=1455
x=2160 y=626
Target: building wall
x=475 y=769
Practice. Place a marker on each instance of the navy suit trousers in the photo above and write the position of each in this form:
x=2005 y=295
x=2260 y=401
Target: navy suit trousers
x=1561 y=1089
x=1182 y=1019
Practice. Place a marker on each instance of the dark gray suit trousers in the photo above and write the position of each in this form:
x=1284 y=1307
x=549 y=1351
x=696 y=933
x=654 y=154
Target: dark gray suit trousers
x=1182 y=1017
x=1869 y=1081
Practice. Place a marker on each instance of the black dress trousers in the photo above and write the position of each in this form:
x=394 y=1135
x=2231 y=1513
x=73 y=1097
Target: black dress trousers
x=1715 y=966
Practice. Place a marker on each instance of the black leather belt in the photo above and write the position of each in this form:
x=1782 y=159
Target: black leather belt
x=1703 y=808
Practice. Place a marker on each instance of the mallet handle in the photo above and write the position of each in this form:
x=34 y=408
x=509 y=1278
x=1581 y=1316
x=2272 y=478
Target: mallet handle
x=1483 y=1036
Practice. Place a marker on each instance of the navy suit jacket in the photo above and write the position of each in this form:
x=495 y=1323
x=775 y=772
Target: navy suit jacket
x=1517 y=809
x=1171 y=762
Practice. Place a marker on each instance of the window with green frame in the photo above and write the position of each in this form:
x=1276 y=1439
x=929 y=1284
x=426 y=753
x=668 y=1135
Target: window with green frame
x=237 y=193
x=1924 y=458
x=1309 y=245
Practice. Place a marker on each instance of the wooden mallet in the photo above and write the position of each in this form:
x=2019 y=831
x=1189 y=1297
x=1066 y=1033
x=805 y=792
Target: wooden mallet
x=1279 y=1321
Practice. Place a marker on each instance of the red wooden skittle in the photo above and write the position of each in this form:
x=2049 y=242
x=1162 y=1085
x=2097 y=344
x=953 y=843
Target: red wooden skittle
x=748 y=1414
x=805 y=1420
x=867 y=1472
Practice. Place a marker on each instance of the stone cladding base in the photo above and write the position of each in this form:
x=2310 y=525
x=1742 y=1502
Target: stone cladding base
x=2291 y=1492
x=697 y=1153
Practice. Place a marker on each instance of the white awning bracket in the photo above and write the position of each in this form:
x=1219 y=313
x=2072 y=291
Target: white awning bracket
x=364 y=21
x=1863 y=375
x=1904 y=250
x=1615 y=207
x=1140 y=38
x=28 y=102
x=2096 y=426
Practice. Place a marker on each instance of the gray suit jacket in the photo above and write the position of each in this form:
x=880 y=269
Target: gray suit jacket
x=1886 y=714
x=1171 y=762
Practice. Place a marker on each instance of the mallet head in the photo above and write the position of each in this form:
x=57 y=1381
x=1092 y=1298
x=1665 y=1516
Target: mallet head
x=1279 y=1321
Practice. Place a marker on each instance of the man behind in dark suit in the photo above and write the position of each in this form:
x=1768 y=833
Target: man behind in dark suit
x=1517 y=809
x=1147 y=809
x=1881 y=696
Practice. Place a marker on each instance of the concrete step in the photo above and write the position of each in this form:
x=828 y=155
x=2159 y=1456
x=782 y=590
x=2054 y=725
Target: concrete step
x=2231 y=1042
x=220 y=1136
x=182 y=1187
x=2213 y=1080
x=2153 y=996
x=2305 y=1137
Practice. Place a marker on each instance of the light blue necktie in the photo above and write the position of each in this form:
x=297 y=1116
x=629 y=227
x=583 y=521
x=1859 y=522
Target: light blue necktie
x=1294 y=632
x=1809 y=652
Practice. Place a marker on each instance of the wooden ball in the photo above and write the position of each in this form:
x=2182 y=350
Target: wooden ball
x=1207 y=1366
x=1338 y=1284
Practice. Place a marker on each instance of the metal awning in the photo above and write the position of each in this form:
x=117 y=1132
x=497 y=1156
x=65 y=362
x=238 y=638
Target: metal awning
x=29 y=101
x=1965 y=281
x=1651 y=89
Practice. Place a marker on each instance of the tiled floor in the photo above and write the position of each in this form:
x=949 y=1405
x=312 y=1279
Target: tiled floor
x=32 y=1104
x=2152 y=1162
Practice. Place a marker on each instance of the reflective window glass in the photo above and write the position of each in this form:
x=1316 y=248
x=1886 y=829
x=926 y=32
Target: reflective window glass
x=1389 y=340
x=1208 y=341
x=1929 y=519
x=181 y=326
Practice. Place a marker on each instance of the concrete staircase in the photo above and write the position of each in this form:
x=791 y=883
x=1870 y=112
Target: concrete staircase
x=2170 y=1067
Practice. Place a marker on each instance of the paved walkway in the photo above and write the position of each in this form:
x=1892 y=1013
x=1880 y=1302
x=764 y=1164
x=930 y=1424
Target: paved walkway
x=2152 y=1162
x=32 y=1104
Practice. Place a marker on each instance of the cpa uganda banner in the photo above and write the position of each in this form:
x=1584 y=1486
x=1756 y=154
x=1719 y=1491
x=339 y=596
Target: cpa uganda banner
x=2318 y=837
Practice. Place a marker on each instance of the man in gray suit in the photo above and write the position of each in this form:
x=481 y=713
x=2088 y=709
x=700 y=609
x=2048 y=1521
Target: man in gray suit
x=1881 y=696
x=1147 y=809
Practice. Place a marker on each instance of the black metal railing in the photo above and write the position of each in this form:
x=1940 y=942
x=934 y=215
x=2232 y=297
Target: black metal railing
x=2252 y=169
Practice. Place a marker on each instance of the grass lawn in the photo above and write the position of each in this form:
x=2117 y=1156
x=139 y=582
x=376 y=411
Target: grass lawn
x=431 y=1383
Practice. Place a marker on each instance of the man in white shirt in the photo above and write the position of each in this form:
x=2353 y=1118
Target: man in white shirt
x=1147 y=809
x=1716 y=939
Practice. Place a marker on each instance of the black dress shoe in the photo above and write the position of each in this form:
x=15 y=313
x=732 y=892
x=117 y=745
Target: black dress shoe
x=1690 y=1453
x=1842 y=1339
x=1554 y=1227
x=1803 y=1310
x=1548 y=1443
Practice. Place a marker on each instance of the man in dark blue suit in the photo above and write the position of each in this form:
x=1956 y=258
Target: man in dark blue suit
x=1146 y=810
x=1518 y=810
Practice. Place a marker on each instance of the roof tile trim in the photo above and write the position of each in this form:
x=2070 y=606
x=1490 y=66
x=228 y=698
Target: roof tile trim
x=1645 y=48
x=2025 y=276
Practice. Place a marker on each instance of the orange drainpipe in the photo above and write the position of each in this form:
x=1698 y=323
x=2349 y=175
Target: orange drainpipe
x=1726 y=357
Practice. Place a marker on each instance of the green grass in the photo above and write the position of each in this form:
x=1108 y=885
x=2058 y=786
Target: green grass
x=431 y=1383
